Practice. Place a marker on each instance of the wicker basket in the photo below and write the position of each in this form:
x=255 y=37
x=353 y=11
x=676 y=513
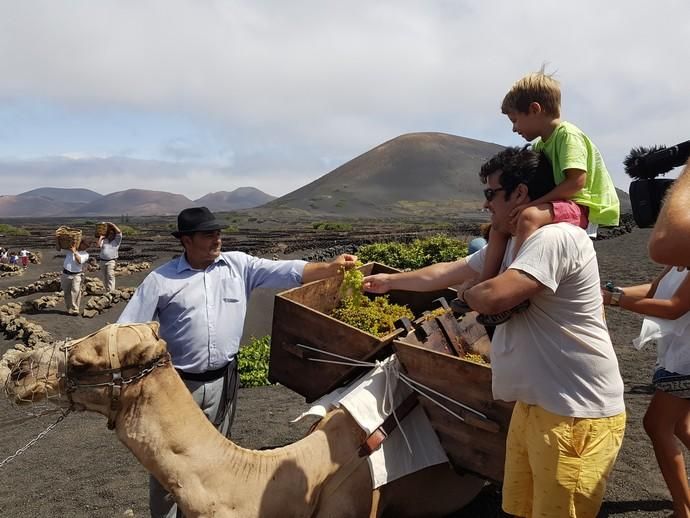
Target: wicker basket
x=101 y=229
x=67 y=238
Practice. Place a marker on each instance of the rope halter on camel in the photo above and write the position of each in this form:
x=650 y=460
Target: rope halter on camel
x=46 y=374
x=114 y=377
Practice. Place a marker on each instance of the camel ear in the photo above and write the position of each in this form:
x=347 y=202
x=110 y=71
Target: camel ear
x=155 y=326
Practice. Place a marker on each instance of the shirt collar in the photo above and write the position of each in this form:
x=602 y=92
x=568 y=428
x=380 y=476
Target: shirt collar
x=183 y=265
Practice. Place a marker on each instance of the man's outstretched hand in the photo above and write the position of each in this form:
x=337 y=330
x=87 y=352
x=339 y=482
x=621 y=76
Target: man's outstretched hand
x=346 y=261
x=379 y=283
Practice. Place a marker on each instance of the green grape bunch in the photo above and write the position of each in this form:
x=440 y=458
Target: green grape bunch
x=376 y=317
x=352 y=285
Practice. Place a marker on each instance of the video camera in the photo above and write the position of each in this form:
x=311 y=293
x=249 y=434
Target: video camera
x=647 y=191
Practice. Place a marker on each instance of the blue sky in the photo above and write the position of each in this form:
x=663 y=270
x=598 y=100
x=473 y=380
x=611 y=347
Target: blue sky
x=206 y=96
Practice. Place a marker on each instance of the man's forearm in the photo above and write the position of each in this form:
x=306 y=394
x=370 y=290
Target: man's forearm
x=435 y=277
x=317 y=271
x=670 y=240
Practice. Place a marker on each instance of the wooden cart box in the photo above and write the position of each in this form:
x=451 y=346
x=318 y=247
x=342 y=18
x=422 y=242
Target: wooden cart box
x=301 y=316
x=478 y=443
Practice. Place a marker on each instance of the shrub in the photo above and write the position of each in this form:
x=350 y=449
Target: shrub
x=332 y=225
x=421 y=252
x=10 y=230
x=230 y=229
x=128 y=230
x=253 y=362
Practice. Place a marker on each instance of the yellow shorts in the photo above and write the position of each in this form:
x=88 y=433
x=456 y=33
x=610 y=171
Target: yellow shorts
x=558 y=466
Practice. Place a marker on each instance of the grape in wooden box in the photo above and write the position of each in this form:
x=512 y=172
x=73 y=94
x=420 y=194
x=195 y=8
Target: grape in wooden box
x=301 y=317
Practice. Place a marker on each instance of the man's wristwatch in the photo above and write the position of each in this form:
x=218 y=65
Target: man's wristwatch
x=616 y=297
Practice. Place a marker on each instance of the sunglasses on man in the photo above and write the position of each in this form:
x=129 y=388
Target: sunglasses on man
x=489 y=194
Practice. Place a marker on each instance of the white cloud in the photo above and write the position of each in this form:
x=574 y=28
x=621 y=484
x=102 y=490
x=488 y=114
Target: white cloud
x=282 y=88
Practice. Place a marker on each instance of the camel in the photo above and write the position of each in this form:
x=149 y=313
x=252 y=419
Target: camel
x=154 y=415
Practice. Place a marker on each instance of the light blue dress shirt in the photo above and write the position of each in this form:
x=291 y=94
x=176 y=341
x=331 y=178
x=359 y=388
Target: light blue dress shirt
x=201 y=312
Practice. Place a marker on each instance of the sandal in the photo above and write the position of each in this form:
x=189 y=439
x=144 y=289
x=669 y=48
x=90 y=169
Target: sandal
x=503 y=316
x=459 y=306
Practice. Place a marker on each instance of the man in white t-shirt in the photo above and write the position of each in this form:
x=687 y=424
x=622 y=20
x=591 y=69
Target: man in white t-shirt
x=109 y=245
x=72 y=276
x=554 y=359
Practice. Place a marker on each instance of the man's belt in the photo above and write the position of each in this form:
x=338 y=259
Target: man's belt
x=107 y=260
x=204 y=376
x=67 y=272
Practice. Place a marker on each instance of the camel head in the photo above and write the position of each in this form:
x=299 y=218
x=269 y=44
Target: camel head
x=87 y=373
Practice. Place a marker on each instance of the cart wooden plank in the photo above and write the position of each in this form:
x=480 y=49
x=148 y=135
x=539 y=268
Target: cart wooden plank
x=301 y=317
x=476 y=444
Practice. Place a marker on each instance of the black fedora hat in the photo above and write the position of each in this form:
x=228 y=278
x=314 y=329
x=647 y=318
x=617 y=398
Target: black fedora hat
x=196 y=219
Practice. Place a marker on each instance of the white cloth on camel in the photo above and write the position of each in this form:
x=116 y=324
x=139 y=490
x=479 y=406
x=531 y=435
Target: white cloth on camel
x=367 y=400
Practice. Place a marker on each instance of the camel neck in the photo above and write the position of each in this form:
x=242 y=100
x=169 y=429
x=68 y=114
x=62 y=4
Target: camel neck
x=169 y=434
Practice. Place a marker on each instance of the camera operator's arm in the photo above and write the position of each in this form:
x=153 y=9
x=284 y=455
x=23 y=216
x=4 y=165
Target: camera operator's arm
x=672 y=308
x=670 y=240
x=430 y=278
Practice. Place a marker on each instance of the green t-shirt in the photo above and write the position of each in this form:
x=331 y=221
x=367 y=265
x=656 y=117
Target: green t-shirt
x=569 y=148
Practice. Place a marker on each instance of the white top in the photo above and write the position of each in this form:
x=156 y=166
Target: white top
x=23 y=253
x=557 y=354
x=71 y=265
x=672 y=337
x=109 y=248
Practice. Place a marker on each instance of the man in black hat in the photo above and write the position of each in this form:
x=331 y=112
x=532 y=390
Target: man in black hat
x=200 y=299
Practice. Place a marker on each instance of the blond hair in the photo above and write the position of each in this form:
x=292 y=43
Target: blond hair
x=537 y=87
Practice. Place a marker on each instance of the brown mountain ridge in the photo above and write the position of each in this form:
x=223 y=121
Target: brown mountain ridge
x=59 y=202
x=413 y=175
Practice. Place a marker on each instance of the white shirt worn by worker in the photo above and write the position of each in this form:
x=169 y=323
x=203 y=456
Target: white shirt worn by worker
x=70 y=263
x=109 y=249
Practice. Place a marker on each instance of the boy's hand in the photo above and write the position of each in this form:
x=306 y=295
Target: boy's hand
x=379 y=283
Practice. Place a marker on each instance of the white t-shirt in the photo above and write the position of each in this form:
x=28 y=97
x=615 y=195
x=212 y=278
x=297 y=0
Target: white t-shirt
x=71 y=265
x=109 y=249
x=557 y=354
x=672 y=337
x=23 y=253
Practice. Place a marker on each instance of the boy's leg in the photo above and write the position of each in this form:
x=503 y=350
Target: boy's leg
x=571 y=459
x=495 y=251
x=664 y=415
x=529 y=221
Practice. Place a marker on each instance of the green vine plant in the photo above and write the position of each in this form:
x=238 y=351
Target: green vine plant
x=252 y=360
